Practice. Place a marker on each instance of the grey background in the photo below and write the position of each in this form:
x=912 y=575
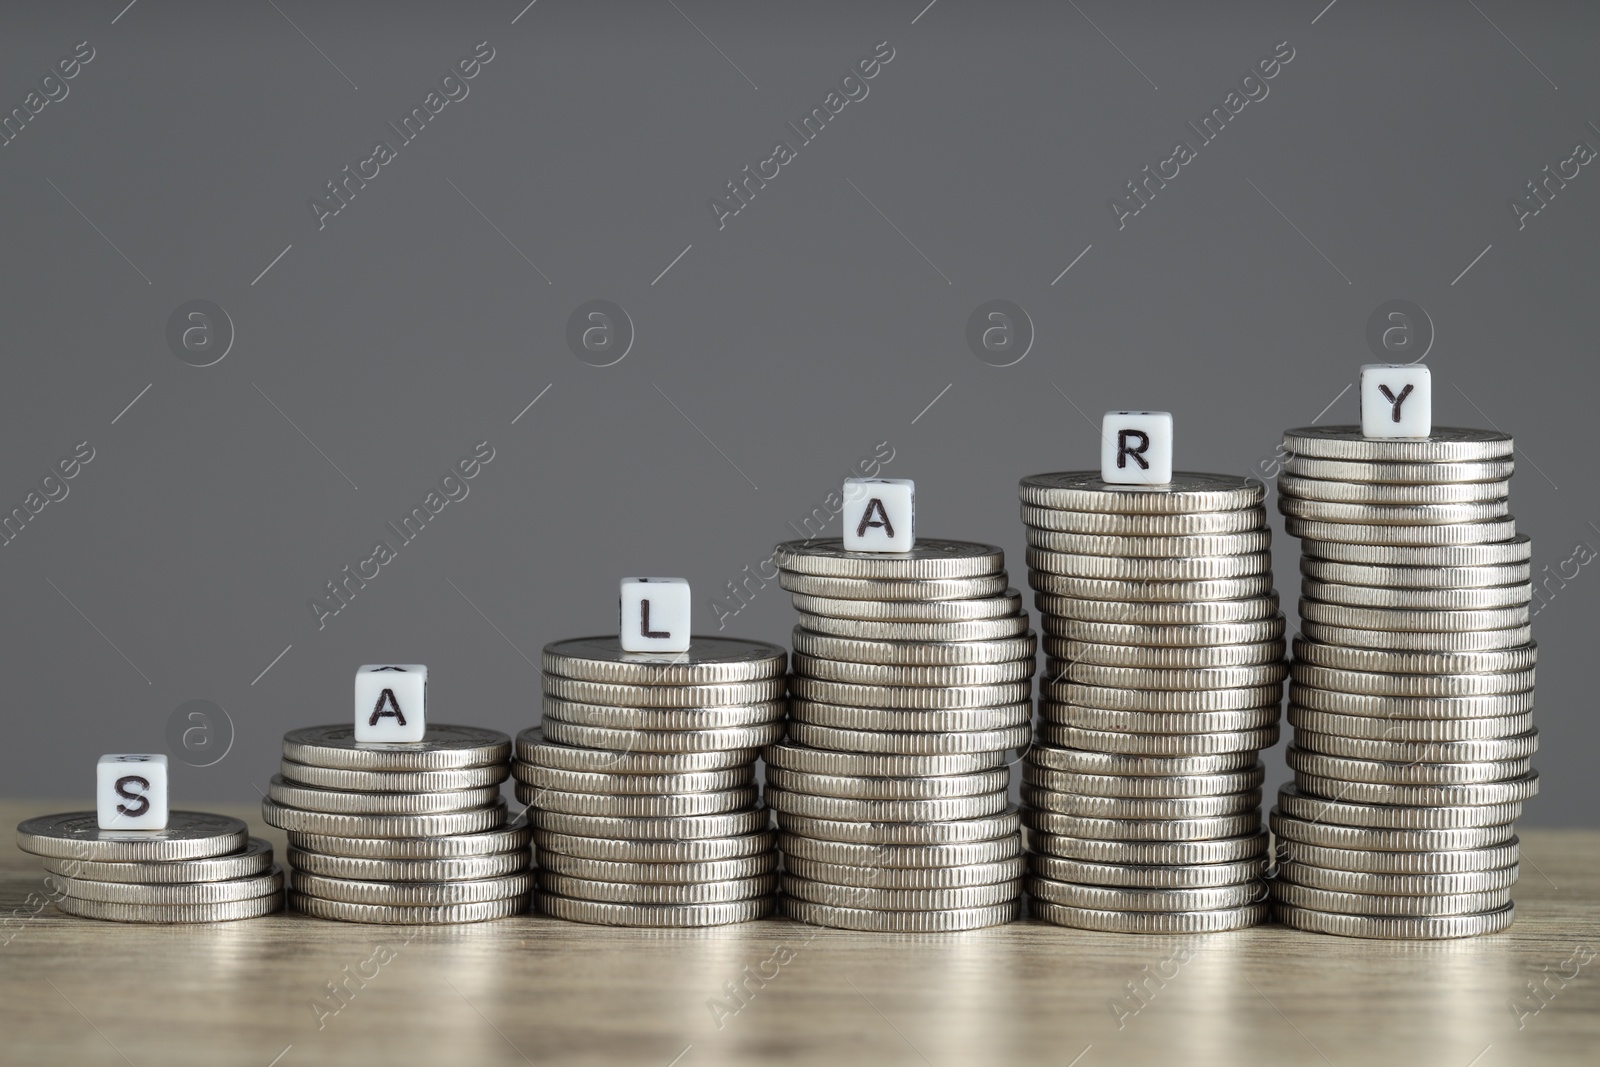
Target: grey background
x=791 y=342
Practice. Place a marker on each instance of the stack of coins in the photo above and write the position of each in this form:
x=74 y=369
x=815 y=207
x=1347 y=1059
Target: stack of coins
x=641 y=779
x=1142 y=794
x=912 y=678
x=200 y=869
x=403 y=833
x=1412 y=685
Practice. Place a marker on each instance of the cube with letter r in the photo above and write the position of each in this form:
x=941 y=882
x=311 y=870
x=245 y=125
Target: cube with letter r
x=1136 y=448
x=653 y=615
x=391 y=701
x=1396 y=400
x=131 y=791
x=880 y=514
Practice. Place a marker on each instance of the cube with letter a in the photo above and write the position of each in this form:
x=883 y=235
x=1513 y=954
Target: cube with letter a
x=653 y=615
x=1396 y=400
x=131 y=791
x=391 y=701
x=1136 y=448
x=879 y=514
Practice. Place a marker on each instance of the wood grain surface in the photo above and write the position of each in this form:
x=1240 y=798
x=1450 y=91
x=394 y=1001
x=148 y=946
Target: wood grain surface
x=536 y=990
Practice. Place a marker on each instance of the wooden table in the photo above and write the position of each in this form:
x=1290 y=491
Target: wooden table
x=536 y=990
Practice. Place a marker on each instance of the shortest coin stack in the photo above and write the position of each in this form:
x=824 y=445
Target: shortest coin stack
x=403 y=833
x=200 y=869
x=641 y=780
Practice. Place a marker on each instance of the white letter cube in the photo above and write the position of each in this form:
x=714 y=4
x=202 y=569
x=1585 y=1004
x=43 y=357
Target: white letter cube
x=1396 y=400
x=880 y=514
x=654 y=615
x=1136 y=448
x=391 y=701
x=131 y=792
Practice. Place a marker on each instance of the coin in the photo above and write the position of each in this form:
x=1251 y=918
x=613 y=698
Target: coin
x=946 y=920
x=1142 y=829
x=1112 y=763
x=879 y=764
x=1409 y=730
x=938 y=677
x=225 y=911
x=894 y=589
x=441 y=748
x=886 y=858
x=1393 y=514
x=1378 y=771
x=1467 y=795
x=655 y=915
x=740 y=867
x=918 y=653
x=1419 y=641
x=1175 y=525
x=1147 y=876
x=614 y=718
x=954 y=719
x=1415 y=577
x=737 y=738
x=1388 y=472
x=1186 y=492
x=984 y=828
x=852 y=808
x=1251 y=846
x=762 y=885
x=1510 y=550
x=532 y=748
x=644 y=806
x=1449 y=861
x=1425 y=494
x=701 y=850
x=664 y=828
x=1372 y=904
x=929 y=557
x=1145 y=591
x=1298 y=804
x=1439 y=535
x=1167 y=569
x=973 y=874
x=1413 y=685
x=1406 y=707
x=1124 y=698
x=1118 y=898
x=1381 y=839
x=393 y=781
x=1477 y=598
x=709 y=661
x=907 y=743
x=868 y=630
x=1132 y=785
x=663 y=696
x=412 y=894
x=1002 y=605
x=1146 y=613
x=1190 y=635
x=1158 y=722
x=1399 y=662
x=880 y=899
x=1158 y=744
x=865 y=788
x=255 y=858
x=1234 y=655
x=1140 y=807
x=1304 y=874
x=474 y=820
x=453 y=869
x=1517 y=747
x=864 y=695
x=173 y=894
x=1404 y=619
x=506 y=838
x=1135 y=922
x=408 y=915
x=1408 y=929
x=1250 y=540
x=310 y=798
x=1446 y=444
x=77 y=836
x=600 y=782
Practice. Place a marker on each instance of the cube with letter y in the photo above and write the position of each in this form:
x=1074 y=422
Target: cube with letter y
x=131 y=791
x=1136 y=448
x=653 y=615
x=391 y=701
x=1396 y=400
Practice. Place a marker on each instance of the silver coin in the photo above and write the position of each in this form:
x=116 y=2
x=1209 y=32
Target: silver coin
x=1408 y=885
x=305 y=774
x=1182 y=679
x=532 y=748
x=493 y=865
x=895 y=589
x=944 y=676
x=1111 y=763
x=1415 y=577
x=255 y=858
x=567 y=711
x=510 y=837
x=1143 y=591
x=868 y=630
x=1143 y=786
x=888 y=858
x=1249 y=741
x=1446 y=444
x=1140 y=807
x=1123 y=698
x=1152 y=922
x=876 y=898
x=709 y=661
x=1373 y=904
x=957 y=719
x=1511 y=550
x=913 y=878
x=930 y=557
x=412 y=894
x=663 y=696
x=665 y=916
x=961 y=831
x=702 y=850
x=1518 y=747
x=441 y=748
x=1387 y=472
x=878 y=764
x=614 y=784
x=1187 y=492
x=408 y=915
x=663 y=828
x=1409 y=730
x=1165 y=569
x=1399 y=864
x=1412 y=685
x=947 y=920
x=762 y=885
x=634 y=805
x=1465 y=794
x=1437 y=535
x=1191 y=635
x=1396 y=928
x=1410 y=620
x=1477 y=598
x=733 y=738
x=191 y=893
x=1175 y=525
x=1002 y=605
x=659 y=873
x=1425 y=494
x=865 y=788
x=1393 y=514
x=335 y=801
x=1118 y=898
x=1400 y=662
x=77 y=836
x=1179 y=547
x=1242 y=654
x=1049 y=822
x=1158 y=722
x=906 y=743
x=1405 y=707
x=859 y=810
x=862 y=695
x=1415 y=641
x=1389 y=773
x=1147 y=613
x=1136 y=876
x=226 y=911
x=914 y=653
x=1379 y=839
x=1300 y=805
x=1250 y=847
x=473 y=821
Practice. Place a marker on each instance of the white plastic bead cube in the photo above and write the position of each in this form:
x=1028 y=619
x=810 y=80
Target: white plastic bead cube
x=1396 y=400
x=131 y=791
x=654 y=615
x=391 y=701
x=1136 y=448
x=880 y=514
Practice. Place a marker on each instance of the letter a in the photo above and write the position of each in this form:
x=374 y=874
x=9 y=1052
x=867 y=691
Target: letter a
x=875 y=505
x=380 y=710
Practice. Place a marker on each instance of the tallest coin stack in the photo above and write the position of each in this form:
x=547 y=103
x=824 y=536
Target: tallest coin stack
x=1412 y=690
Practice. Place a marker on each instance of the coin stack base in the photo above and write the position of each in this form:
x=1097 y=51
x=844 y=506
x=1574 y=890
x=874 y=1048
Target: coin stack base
x=200 y=869
x=1142 y=792
x=641 y=779
x=406 y=833
x=912 y=678
x=1412 y=689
